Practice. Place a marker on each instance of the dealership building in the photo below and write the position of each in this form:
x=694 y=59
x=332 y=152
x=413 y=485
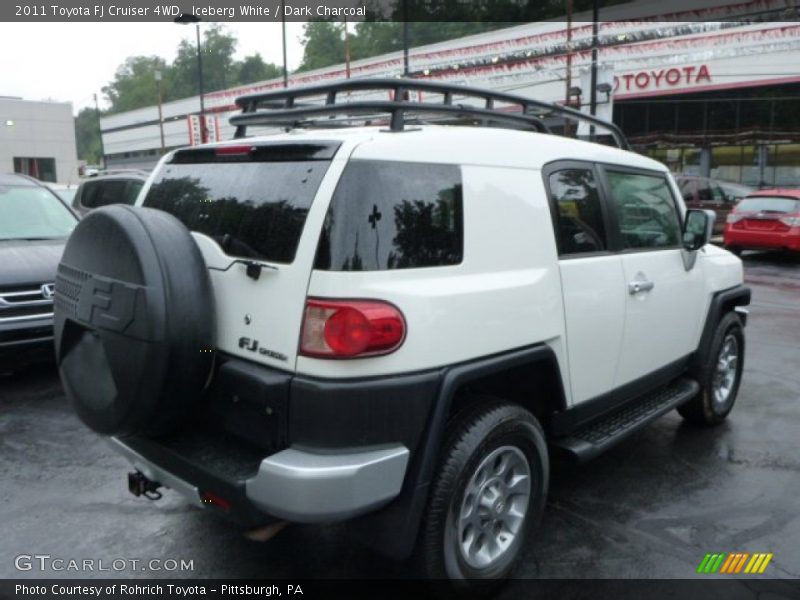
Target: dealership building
x=712 y=91
x=38 y=139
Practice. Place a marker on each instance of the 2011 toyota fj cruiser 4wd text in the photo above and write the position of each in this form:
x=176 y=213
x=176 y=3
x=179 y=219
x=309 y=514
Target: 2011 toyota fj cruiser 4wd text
x=396 y=322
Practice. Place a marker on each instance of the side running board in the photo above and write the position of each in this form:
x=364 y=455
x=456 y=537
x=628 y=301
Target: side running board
x=596 y=437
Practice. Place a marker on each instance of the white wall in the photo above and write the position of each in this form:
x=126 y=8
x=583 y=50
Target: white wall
x=39 y=130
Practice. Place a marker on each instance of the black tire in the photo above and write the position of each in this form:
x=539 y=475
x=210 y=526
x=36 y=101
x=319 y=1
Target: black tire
x=488 y=426
x=734 y=249
x=705 y=408
x=134 y=321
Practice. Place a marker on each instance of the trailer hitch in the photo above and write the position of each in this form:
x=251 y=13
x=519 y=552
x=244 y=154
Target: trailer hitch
x=139 y=485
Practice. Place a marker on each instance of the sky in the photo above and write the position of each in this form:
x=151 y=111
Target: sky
x=70 y=62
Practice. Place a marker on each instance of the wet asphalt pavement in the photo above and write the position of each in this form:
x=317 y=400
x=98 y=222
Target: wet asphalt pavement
x=650 y=508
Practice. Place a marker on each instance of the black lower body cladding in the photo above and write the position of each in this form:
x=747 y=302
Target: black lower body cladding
x=133 y=313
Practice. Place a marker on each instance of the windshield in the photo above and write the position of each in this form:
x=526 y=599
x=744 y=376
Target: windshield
x=32 y=212
x=67 y=194
x=768 y=204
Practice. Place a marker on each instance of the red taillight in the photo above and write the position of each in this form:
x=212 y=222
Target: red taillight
x=351 y=328
x=233 y=150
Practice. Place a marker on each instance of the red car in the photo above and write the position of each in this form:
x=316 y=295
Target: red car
x=765 y=220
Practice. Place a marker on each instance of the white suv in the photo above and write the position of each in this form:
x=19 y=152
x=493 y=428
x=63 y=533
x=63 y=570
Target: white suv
x=395 y=324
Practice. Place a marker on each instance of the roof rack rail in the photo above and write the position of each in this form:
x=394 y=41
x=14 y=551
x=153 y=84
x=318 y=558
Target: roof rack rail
x=285 y=108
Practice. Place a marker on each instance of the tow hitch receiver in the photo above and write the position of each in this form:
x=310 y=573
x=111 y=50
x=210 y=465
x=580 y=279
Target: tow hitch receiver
x=139 y=485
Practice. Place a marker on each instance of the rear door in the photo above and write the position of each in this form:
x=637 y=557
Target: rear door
x=253 y=213
x=664 y=302
x=592 y=283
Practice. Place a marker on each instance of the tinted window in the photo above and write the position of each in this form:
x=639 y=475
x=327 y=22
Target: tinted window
x=252 y=209
x=104 y=192
x=390 y=215
x=646 y=210
x=579 y=218
x=767 y=204
x=133 y=191
x=31 y=212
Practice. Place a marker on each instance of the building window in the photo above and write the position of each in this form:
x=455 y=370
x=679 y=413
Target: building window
x=43 y=169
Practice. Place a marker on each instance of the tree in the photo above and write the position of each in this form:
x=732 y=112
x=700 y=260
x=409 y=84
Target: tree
x=87 y=135
x=253 y=68
x=218 y=48
x=324 y=45
x=134 y=83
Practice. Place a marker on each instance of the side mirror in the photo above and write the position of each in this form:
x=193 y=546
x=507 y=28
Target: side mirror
x=698 y=228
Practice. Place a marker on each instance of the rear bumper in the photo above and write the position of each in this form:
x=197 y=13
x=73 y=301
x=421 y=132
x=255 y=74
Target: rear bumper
x=299 y=485
x=757 y=240
x=271 y=444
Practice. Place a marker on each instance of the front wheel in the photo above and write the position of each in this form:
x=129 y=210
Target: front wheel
x=721 y=375
x=488 y=492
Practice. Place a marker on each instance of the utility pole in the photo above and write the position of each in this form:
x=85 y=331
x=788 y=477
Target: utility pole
x=160 y=113
x=283 y=41
x=346 y=49
x=203 y=131
x=100 y=133
x=569 y=63
x=406 y=37
x=593 y=85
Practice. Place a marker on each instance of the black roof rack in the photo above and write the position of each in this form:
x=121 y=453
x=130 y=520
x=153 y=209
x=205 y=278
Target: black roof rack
x=290 y=107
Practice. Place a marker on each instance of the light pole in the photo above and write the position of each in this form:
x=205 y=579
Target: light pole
x=593 y=84
x=283 y=43
x=160 y=113
x=100 y=132
x=186 y=19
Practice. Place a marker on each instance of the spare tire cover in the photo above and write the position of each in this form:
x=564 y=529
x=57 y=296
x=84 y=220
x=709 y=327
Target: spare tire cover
x=134 y=320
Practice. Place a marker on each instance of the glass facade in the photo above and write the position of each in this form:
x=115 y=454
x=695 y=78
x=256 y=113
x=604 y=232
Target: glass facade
x=749 y=136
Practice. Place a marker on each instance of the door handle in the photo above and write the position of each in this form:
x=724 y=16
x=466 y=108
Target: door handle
x=634 y=287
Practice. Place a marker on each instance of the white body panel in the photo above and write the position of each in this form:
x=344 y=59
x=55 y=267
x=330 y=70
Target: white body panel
x=594 y=305
x=662 y=325
x=510 y=290
x=504 y=295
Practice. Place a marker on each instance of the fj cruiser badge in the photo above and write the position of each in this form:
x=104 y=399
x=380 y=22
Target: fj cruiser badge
x=252 y=346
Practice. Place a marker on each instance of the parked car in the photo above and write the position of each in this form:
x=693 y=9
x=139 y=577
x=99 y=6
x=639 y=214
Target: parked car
x=64 y=191
x=34 y=225
x=765 y=220
x=120 y=186
x=394 y=325
x=711 y=194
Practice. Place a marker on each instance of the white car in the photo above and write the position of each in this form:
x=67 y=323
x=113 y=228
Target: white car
x=395 y=324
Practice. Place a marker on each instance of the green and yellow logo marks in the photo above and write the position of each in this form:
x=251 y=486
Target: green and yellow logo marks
x=735 y=562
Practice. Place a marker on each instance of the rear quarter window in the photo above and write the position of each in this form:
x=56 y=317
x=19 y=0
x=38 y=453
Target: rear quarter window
x=393 y=215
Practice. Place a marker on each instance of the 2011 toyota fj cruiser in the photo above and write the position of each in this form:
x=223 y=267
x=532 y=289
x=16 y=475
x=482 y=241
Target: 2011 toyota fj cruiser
x=395 y=322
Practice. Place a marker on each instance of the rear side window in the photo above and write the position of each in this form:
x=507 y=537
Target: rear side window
x=393 y=215
x=251 y=209
x=104 y=192
x=648 y=217
x=579 y=217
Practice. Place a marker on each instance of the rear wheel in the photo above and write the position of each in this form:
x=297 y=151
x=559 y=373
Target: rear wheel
x=489 y=490
x=720 y=376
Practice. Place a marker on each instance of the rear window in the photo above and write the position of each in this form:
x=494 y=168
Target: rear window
x=392 y=215
x=252 y=209
x=768 y=204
